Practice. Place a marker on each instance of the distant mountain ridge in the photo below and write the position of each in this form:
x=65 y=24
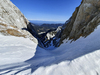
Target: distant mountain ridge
x=40 y=22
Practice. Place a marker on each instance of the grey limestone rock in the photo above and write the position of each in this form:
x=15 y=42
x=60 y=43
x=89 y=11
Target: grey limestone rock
x=11 y=14
x=12 y=21
x=83 y=21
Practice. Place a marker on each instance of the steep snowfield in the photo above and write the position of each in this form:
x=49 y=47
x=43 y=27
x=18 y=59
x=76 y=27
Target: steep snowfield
x=15 y=49
x=20 y=56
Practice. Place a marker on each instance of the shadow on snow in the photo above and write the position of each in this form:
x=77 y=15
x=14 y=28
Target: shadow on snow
x=66 y=52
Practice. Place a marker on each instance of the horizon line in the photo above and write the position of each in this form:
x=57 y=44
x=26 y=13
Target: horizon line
x=46 y=20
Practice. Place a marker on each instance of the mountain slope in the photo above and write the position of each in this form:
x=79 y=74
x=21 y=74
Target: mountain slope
x=12 y=21
x=21 y=56
x=10 y=14
x=83 y=21
x=81 y=57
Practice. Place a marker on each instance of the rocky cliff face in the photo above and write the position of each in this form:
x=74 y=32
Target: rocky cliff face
x=12 y=20
x=84 y=20
x=11 y=14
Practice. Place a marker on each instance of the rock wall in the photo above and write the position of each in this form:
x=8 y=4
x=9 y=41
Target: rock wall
x=11 y=14
x=12 y=21
x=84 y=20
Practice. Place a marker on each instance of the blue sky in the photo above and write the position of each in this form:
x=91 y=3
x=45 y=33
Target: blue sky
x=47 y=10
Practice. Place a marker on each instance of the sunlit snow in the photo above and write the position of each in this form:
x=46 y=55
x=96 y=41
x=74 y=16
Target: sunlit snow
x=21 y=56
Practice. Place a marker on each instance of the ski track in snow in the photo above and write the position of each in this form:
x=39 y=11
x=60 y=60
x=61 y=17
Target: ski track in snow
x=20 y=56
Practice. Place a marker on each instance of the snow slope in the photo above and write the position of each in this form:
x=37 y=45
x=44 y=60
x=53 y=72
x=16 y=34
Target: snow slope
x=15 y=49
x=20 y=56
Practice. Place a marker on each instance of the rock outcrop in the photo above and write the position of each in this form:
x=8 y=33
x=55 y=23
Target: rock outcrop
x=11 y=14
x=84 y=20
x=12 y=21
